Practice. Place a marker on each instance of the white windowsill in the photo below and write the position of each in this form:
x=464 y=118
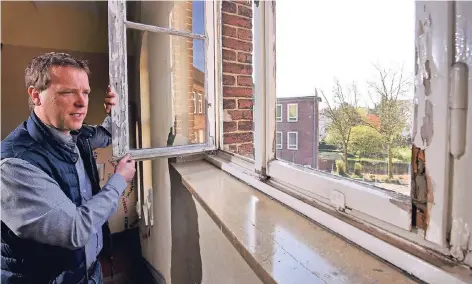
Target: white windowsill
x=408 y=262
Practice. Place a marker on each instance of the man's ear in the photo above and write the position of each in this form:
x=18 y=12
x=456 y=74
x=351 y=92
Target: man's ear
x=34 y=95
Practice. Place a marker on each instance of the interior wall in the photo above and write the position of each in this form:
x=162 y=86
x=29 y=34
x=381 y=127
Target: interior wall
x=82 y=32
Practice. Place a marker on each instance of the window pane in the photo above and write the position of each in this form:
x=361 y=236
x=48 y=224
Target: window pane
x=279 y=140
x=353 y=85
x=164 y=75
x=279 y=112
x=177 y=15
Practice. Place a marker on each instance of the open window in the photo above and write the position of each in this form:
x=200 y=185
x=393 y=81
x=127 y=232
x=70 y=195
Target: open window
x=162 y=58
x=379 y=175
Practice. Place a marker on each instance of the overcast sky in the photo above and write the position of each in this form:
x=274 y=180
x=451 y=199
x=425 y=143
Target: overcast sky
x=317 y=40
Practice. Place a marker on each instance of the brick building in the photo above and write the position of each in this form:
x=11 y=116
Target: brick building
x=297 y=130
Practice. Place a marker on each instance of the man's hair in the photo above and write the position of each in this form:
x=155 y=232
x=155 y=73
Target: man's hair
x=37 y=72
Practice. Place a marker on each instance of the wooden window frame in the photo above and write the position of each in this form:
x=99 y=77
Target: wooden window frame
x=117 y=25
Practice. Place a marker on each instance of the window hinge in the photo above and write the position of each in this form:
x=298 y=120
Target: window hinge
x=458 y=109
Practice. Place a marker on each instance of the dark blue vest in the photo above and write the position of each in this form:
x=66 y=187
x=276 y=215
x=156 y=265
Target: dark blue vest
x=27 y=261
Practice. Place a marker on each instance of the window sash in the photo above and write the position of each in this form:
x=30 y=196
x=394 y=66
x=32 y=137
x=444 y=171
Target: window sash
x=293 y=118
x=280 y=142
x=279 y=111
x=291 y=146
x=117 y=25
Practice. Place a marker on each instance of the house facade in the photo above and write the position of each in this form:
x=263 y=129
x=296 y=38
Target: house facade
x=297 y=134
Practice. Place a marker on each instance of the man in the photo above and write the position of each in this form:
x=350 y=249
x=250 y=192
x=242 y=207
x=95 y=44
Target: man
x=53 y=212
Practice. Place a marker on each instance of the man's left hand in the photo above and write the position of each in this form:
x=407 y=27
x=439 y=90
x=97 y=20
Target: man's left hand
x=110 y=99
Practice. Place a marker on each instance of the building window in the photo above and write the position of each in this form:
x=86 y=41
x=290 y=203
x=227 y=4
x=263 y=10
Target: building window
x=200 y=103
x=194 y=98
x=292 y=112
x=279 y=113
x=292 y=140
x=279 y=140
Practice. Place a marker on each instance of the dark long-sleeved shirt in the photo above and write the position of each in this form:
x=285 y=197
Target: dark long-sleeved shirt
x=34 y=207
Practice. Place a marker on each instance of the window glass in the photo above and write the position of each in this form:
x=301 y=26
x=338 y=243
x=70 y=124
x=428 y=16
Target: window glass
x=166 y=75
x=279 y=140
x=279 y=112
x=347 y=90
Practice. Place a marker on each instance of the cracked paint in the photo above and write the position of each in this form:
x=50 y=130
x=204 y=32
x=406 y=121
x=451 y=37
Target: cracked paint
x=427 y=129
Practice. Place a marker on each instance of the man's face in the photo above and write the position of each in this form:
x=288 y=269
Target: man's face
x=64 y=104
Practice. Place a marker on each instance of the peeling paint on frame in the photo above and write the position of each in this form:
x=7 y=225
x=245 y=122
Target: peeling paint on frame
x=430 y=182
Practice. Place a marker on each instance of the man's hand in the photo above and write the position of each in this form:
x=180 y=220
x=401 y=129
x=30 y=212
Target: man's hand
x=110 y=99
x=126 y=168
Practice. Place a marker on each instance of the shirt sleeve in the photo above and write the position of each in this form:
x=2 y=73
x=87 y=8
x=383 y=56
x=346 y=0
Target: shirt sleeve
x=102 y=134
x=34 y=207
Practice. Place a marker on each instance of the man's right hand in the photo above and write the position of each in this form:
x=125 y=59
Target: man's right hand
x=126 y=167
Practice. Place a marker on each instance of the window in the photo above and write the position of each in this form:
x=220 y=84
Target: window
x=185 y=50
x=292 y=112
x=200 y=103
x=194 y=100
x=279 y=140
x=362 y=177
x=278 y=115
x=292 y=140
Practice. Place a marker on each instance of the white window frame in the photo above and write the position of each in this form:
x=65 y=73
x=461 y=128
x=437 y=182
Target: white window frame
x=280 y=145
x=194 y=99
x=289 y=118
x=200 y=103
x=117 y=25
x=279 y=118
x=291 y=147
x=389 y=211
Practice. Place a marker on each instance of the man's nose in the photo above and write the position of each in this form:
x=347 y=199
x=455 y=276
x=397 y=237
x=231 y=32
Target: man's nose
x=81 y=101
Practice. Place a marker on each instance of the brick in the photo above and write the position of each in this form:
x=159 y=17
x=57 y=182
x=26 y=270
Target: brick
x=228 y=80
x=229 y=103
x=245 y=103
x=228 y=6
x=243 y=2
x=229 y=31
x=237 y=92
x=235 y=68
x=246 y=148
x=237 y=21
x=229 y=126
x=235 y=44
x=245 y=81
x=231 y=138
x=245 y=125
x=244 y=11
x=244 y=34
x=233 y=148
x=229 y=54
x=240 y=114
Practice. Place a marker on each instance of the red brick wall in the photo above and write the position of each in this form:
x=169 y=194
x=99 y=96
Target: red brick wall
x=305 y=126
x=237 y=81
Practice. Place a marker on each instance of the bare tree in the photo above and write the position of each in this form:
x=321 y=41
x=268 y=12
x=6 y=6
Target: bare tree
x=343 y=115
x=388 y=93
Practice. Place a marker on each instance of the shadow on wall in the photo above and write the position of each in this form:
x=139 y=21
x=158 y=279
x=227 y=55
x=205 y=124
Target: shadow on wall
x=186 y=264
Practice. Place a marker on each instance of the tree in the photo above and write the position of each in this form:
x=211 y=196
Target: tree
x=388 y=92
x=365 y=140
x=343 y=114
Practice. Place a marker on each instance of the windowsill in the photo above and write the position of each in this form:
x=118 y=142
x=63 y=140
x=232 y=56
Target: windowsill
x=279 y=244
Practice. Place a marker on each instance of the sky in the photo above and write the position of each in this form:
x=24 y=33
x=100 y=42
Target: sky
x=318 y=40
x=198 y=27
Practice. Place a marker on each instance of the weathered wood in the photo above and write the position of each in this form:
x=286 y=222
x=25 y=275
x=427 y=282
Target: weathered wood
x=155 y=29
x=174 y=151
x=118 y=76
